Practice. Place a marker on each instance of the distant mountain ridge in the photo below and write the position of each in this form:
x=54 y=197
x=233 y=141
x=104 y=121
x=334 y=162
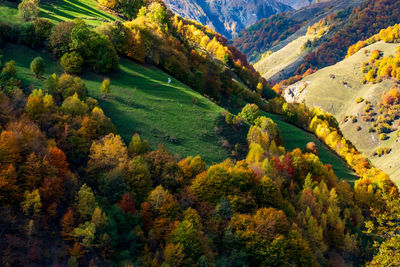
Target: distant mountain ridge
x=228 y=17
x=296 y=4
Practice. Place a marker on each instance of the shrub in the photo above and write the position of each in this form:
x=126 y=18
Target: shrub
x=229 y=117
x=43 y=28
x=130 y=8
x=311 y=147
x=250 y=113
x=383 y=127
x=27 y=35
x=381 y=151
x=29 y=9
x=72 y=63
x=37 y=66
x=367 y=108
x=383 y=136
x=375 y=55
x=359 y=100
x=9 y=70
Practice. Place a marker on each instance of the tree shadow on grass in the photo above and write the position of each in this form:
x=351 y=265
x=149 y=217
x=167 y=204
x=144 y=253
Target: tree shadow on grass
x=153 y=85
x=91 y=9
x=61 y=9
x=125 y=122
x=52 y=13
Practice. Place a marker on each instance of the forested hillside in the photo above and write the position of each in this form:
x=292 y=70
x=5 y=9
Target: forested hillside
x=73 y=192
x=265 y=33
x=364 y=21
x=275 y=32
x=362 y=93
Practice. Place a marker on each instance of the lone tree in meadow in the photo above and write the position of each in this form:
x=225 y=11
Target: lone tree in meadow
x=29 y=9
x=105 y=87
x=37 y=66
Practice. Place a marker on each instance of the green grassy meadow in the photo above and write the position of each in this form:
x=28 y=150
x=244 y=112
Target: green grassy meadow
x=142 y=101
x=61 y=10
x=9 y=12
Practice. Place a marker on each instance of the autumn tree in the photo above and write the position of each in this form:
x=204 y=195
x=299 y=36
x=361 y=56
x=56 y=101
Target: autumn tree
x=105 y=87
x=61 y=37
x=138 y=178
x=192 y=166
x=164 y=169
x=187 y=233
x=226 y=179
x=67 y=224
x=9 y=70
x=74 y=106
x=39 y=104
x=72 y=63
x=68 y=85
x=268 y=193
x=163 y=203
x=86 y=202
x=29 y=9
x=85 y=233
x=137 y=146
x=174 y=255
x=58 y=159
x=32 y=204
x=127 y=203
x=108 y=153
x=384 y=225
x=9 y=148
x=8 y=184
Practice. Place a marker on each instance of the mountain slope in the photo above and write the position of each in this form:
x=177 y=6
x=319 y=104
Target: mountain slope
x=142 y=101
x=336 y=89
x=296 y=4
x=73 y=193
x=276 y=32
x=364 y=21
x=227 y=17
x=289 y=54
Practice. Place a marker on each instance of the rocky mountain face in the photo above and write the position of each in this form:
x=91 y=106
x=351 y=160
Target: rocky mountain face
x=228 y=17
x=296 y=4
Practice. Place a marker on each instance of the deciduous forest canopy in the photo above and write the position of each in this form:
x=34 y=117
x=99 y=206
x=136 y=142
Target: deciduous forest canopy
x=80 y=185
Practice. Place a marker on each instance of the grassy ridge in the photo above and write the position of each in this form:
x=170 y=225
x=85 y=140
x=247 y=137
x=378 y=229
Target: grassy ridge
x=338 y=97
x=142 y=101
